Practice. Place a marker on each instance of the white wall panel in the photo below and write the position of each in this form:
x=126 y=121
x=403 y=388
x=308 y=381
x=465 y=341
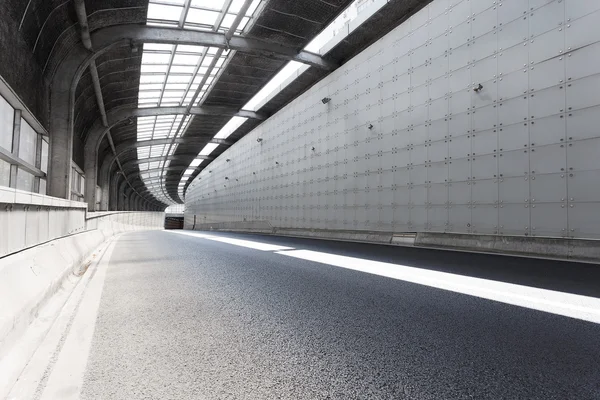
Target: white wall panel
x=518 y=157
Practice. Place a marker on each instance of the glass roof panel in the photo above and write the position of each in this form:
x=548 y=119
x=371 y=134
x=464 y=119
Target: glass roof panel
x=209 y=4
x=201 y=17
x=171 y=75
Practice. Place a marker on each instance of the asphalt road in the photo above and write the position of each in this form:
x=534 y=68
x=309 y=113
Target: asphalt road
x=184 y=317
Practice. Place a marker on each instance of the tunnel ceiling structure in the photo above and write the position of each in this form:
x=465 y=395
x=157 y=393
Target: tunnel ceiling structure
x=192 y=64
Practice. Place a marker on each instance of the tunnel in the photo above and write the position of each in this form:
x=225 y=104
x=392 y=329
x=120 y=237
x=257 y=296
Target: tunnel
x=308 y=199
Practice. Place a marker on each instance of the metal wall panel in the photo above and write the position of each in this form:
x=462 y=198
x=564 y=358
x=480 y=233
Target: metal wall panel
x=517 y=157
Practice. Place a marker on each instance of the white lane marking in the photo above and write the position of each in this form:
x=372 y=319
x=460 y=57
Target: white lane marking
x=66 y=380
x=237 y=242
x=566 y=304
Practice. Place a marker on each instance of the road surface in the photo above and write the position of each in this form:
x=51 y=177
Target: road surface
x=231 y=316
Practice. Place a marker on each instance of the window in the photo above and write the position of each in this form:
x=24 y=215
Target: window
x=44 y=166
x=4 y=173
x=27 y=143
x=26 y=154
x=77 y=185
x=24 y=180
x=7 y=114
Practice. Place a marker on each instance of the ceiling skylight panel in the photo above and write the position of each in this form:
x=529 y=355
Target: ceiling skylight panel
x=209 y=4
x=155 y=58
x=162 y=120
x=158 y=47
x=176 y=86
x=156 y=151
x=147 y=78
x=163 y=125
x=147 y=105
x=227 y=21
x=220 y=63
x=151 y=86
x=169 y=103
x=183 y=69
x=153 y=68
x=143 y=152
x=184 y=48
x=144 y=127
x=149 y=94
x=202 y=17
x=207 y=60
x=179 y=78
x=230 y=127
x=253 y=7
x=162 y=12
x=209 y=148
x=186 y=59
x=173 y=94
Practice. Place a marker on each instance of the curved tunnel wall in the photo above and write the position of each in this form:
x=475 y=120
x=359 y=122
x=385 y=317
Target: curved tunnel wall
x=407 y=145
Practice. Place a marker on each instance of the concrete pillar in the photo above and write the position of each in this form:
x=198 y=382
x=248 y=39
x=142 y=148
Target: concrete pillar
x=114 y=191
x=132 y=197
x=121 y=195
x=61 y=137
x=91 y=174
x=38 y=161
x=103 y=182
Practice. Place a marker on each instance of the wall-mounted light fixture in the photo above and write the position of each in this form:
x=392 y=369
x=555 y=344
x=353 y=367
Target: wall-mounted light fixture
x=229 y=159
x=325 y=100
x=478 y=88
x=259 y=139
x=370 y=126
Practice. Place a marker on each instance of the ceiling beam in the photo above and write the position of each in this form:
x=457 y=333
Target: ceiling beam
x=174 y=157
x=134 y=144
x=134 y=33
x=120 y=115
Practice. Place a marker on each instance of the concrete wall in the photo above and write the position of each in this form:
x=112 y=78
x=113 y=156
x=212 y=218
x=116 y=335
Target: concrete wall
x=18 y=65
x=407 y=145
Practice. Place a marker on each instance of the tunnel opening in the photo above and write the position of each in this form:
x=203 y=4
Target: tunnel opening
x=173 y=223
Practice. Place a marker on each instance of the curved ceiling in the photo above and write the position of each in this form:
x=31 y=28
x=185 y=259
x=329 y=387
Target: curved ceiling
x=136 y=75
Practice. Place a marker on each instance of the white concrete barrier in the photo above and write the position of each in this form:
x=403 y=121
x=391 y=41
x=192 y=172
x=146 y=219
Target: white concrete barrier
x=40 y=246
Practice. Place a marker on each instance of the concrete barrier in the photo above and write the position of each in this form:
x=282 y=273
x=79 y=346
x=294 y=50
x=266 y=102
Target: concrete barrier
x=29 y=278
x=46 y=244
x=582 y=250
x=542 y=247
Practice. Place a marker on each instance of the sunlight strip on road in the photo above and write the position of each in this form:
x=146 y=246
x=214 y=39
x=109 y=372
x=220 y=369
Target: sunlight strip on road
x=237 y=242
x=566 y=304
